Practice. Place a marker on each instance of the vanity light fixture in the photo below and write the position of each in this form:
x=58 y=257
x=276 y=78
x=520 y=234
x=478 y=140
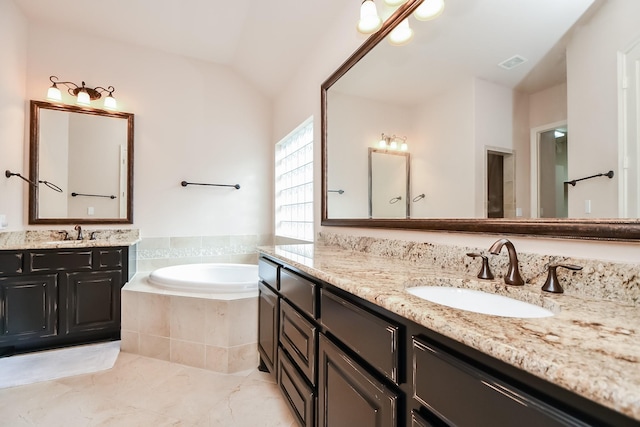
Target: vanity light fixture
x=84 y=95
x=370 y=21
x=390 y=142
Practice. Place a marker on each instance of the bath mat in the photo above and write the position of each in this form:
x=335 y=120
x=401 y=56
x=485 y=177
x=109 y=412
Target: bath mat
x=52 y=364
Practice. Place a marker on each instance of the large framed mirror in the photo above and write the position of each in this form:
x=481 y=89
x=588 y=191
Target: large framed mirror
x=520 y=118
x=82 y=161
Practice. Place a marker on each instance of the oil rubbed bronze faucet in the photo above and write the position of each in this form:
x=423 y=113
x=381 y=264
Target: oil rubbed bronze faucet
x=513 y=276
x=79 y=230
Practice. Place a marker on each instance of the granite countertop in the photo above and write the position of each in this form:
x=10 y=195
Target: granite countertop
x=590 y=346
x=52 y=239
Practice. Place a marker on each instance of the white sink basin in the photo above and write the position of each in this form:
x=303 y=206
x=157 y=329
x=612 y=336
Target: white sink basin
x=479 y=302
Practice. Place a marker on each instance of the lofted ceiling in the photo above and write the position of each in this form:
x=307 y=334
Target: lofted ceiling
x=261 y=40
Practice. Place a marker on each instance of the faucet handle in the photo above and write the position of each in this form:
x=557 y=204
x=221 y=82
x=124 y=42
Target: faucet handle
x=485 y=271
x=552 y=283
x=65 y=235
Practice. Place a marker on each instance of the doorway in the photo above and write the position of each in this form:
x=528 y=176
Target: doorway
x=549 y=171
x=553 y=200
x=501 y=201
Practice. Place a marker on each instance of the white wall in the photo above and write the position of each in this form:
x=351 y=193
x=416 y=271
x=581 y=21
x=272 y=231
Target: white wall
x=13 y=57
x=194 y=121
x=302 y=98
x=94 y=164
x=358 y=124
x=53 y=152
x=592 y=72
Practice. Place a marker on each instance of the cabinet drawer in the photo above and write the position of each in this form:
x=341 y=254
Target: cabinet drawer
x=268 y=272
x=372 y=337
x=110 y=258
x=298 y=395
x=298 y=337
x=10 y=262
x=299 y=291
x=463 y=395
x=60 y=260
x=418 y=421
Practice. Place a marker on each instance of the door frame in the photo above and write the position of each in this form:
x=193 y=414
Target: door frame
x=534 y=139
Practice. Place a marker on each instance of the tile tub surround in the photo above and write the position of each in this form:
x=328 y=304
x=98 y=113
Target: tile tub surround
x=191 y=329
x=590 y=346
x=158 y=252
x=42 y=239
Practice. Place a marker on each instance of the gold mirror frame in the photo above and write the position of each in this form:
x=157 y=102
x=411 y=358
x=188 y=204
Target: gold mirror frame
x=34 y=163
x=598 y=229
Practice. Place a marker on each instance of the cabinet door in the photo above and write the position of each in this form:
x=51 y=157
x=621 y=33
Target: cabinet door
x=92 y=301
x=268 y=327
x=348 y=395
x=27 y=307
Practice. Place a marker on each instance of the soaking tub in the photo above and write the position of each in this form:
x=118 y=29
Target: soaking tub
x=205 y=278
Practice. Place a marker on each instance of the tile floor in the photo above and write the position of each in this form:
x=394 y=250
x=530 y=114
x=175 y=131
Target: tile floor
x=140 y=391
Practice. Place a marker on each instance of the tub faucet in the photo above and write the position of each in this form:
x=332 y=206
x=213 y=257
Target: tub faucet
x=513 y=276
x=79 y=230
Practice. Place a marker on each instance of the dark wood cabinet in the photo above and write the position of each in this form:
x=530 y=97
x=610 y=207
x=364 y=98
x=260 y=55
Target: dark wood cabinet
x=56 y=297
x=267 y=328
x=463 y=395
x=297 y=392
x=374 y=368
x=348 y=395
x=27 y=308
x=91 y=301
x=298 y=337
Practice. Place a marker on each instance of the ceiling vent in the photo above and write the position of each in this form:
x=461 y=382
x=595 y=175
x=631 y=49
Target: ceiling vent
x=512 y=62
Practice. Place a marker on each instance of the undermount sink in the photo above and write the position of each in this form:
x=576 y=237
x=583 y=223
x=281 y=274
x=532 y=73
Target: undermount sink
x=479 y=302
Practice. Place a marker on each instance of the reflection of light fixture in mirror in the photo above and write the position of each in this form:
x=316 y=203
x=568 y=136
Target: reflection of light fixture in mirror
x=429 y=9
x=558 y=134
x=388 y=142
x=401 y=34
x=370 y=21
x=84 y=94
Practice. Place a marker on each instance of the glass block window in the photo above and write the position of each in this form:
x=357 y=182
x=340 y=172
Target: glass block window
x=294 y=184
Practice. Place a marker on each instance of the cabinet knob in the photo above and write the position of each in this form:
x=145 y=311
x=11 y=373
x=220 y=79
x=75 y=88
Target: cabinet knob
x=552 y=284
x=485 y=271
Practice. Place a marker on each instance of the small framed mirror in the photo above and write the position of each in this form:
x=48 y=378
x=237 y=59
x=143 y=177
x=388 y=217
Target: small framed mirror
x=389 y=185
x=82 y=162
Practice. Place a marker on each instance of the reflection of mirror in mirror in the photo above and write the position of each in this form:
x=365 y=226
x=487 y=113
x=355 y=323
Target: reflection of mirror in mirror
x=389 y=186
x=447 y=93
x=86 y=153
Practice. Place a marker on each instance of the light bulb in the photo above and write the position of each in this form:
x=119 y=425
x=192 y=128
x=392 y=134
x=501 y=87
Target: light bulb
x=110 y=103
x=393 y=145
x=429 y=9
x=394 y=3
x=401 y=34
x=54 y=93
x=404 y=146
x=83 y=98
x=382 y=143
x=369 y=22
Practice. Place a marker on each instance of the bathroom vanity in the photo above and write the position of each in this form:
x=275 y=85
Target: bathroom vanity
x=59 y=293
x=349 y=346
